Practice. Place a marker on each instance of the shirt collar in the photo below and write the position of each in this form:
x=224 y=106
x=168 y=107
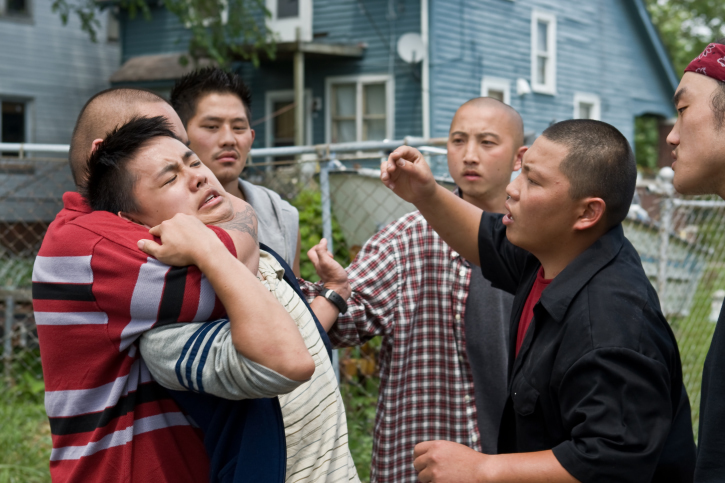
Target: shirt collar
x=562 y=290
x=75 y=202
x=269 y=266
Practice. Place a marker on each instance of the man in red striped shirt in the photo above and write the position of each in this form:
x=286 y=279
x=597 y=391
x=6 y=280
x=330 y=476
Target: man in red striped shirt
x=94 y=294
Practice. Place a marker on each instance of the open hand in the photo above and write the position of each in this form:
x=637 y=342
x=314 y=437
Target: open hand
x=407 y=173
x=329 y=270
x=184 y=241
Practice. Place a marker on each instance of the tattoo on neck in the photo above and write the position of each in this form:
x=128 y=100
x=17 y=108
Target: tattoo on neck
x=245 y=222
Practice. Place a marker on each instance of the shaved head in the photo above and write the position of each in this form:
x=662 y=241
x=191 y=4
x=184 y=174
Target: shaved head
x=510 y=118
x=105 y=112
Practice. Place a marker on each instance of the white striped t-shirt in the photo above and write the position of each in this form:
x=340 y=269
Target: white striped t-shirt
x=315 y=424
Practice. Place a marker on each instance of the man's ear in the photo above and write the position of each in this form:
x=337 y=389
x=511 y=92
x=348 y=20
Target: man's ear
x=253 y=134
x=128 y=217
x=592 y=212
x=519 y=157
x=95 y=144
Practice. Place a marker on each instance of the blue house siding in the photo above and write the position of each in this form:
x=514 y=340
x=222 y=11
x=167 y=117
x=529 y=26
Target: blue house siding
x=54 y=67
x=334 y=21
x=160 y=34
x=602 y=49
x=344 y=22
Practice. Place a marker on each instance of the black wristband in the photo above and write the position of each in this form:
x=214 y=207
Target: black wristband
x=335 y=298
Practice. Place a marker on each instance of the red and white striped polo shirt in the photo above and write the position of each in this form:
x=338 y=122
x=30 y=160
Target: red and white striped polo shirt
x=94 y=294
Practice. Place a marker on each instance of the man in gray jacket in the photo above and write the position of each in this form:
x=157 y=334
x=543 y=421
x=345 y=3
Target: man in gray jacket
x=214 y=106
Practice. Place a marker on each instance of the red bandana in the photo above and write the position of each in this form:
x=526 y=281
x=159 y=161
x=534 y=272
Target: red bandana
x=710 y=63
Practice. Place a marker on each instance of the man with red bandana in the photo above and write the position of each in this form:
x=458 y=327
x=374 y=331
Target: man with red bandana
x=698 y=138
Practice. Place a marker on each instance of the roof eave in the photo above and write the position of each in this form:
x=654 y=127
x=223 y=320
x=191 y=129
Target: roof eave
x=657 y=44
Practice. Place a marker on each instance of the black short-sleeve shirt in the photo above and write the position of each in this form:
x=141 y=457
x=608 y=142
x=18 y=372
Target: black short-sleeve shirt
x=598 y=379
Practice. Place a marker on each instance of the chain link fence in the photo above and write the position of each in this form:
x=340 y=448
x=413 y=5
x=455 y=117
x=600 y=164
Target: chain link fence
x=338 y=194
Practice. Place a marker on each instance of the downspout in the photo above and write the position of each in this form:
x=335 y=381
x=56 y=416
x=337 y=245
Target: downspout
x=425 y=74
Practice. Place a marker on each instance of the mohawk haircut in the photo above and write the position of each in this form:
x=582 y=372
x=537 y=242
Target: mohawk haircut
x=110 y=184
x=600 y=163
x=191 y=88
x=102 y=113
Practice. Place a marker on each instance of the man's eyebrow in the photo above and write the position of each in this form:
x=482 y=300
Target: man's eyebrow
x=487 y=133
x=219 y=119
x=173 y=166
x=188 y=154
x=678 y=95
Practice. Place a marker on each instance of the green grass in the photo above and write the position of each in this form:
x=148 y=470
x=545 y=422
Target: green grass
x=694 y=334
x=25 y=442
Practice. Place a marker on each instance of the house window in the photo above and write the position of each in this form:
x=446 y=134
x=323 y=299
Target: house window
x=279 y=119
x=288 y=8
x=587 y=106
x=113 y=26
x=359 y=108
x=12 y=124
x=497 y=88
x=287 y=16
x=15 y=8
x=543 y=53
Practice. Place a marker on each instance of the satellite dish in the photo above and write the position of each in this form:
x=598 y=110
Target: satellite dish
x=411 y=48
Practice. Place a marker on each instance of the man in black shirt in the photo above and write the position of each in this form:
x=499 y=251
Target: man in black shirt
x=595 y=384
x=698 y=138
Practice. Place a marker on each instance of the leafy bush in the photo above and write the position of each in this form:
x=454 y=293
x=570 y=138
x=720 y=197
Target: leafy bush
x=309 y=203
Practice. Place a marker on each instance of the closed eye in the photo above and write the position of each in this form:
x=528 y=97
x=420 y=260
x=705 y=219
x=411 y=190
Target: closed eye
x=170 y=180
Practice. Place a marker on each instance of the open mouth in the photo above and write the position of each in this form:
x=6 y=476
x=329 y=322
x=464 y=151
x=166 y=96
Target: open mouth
x=210 y=200
x=508 y=218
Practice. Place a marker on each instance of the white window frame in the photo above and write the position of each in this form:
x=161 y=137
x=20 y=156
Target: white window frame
x=548 y=87
x=286 y=95
x=286 y=28
x=588 y=98
x=359 y=80
x=489 y=83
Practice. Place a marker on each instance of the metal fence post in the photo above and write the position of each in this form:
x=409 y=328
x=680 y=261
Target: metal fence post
x=325 y=195
x=7 y=343
x=665 y=229
x=327 y=229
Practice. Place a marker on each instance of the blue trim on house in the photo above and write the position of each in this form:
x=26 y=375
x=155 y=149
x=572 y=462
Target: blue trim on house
x=657 y=44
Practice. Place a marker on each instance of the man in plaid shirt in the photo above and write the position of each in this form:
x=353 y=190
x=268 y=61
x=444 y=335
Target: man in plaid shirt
x=443 y=360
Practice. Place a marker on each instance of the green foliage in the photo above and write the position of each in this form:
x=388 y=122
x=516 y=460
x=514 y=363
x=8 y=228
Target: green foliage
x=309 y=203
x=221 y=30
x=687 y=26
x=646 y=139
x=360 y=405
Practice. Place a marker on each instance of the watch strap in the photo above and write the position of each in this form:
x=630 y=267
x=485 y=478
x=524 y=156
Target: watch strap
x=335 y=298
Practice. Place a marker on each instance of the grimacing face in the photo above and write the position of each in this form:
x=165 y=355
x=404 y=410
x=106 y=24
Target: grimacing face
x=220 y=134
x=481 y=150
x=171 y=179
x=698 y=146
x=540 y=211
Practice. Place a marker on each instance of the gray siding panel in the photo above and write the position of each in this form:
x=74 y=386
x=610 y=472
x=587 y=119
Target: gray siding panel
x=601 y=49
x=162 y=33
x=56 y=67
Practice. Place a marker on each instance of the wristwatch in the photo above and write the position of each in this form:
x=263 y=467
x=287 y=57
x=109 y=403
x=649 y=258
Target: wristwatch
x=335 y=299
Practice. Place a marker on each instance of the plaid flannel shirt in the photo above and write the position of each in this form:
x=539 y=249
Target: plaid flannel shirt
x=410 y=287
